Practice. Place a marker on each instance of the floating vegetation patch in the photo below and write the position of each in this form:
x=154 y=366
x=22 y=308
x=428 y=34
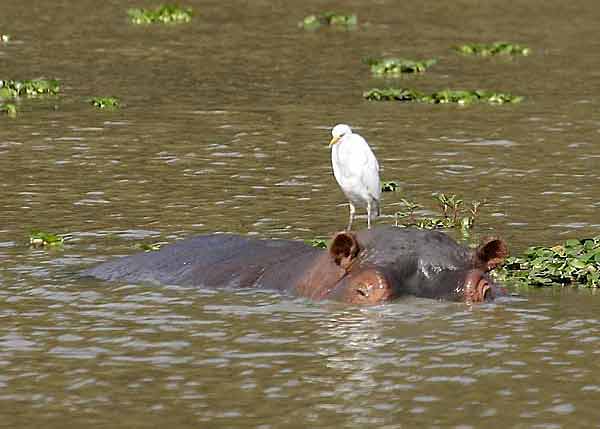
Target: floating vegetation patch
x=29 y=88
x=152 y=247
x=491 y=49
x=575 y=262
x=390 y=186
x=4 y=38
x=312 y=22
x=317 y=242
x=8 y=108
x=397 y=66
x=109 y=103
x=165 y=14
x=453 y=214
x=440 y=97
x=40 y=238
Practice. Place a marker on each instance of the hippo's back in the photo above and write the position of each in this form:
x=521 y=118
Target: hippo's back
x=210 y=260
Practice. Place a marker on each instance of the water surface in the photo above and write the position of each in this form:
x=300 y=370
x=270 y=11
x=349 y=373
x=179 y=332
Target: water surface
x=225 y=127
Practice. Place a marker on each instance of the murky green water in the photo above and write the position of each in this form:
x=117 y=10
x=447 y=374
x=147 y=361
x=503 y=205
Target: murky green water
x=225 y=129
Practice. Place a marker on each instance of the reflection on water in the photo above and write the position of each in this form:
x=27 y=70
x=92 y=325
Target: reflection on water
x=225 y=128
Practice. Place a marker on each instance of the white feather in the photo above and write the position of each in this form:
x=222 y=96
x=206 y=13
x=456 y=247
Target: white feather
x=356 y=170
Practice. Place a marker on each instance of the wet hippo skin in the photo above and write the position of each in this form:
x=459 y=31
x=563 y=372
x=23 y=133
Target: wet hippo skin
x=367 y=267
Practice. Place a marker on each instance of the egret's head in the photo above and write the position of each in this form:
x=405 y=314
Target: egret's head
x=339 y=131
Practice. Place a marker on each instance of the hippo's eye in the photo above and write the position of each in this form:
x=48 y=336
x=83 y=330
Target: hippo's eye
x=363 y=290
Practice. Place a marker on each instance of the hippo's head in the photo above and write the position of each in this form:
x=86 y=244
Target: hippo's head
x=385 y=263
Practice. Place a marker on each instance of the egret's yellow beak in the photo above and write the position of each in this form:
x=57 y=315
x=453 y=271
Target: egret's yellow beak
x=334 y=140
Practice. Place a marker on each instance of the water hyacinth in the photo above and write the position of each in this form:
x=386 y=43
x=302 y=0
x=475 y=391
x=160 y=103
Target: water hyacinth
x=440 y=97
x=491 y=49
x=397 y=66
x=152 y=247
x=312 y=22
x=109 y=103
x=9 y=108
x=575 y=262
x=164 y=14
x=390 y=94
x=389 y=186
x=453 y=212
x=29 y=88
x=41 y=238
x=318 y=243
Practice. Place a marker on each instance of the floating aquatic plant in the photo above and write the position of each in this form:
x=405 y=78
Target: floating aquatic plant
x=317 y=242
x=152 y=247
x=312 y=22
x=9 y=108
x=440 y=97
x=453 y=214
x=490 y=49
x=109 y=103
x=165 y=14
x=28 y=88
x=5 y=38
x=575 y=262
x=397 y=66
x=391 y=94
x=40 y=238
x=390 y=186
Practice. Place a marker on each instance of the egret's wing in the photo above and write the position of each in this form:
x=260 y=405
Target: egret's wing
x=364 y=161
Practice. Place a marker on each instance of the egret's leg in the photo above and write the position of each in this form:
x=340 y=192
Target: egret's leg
x=368 y=214
x=352 y=211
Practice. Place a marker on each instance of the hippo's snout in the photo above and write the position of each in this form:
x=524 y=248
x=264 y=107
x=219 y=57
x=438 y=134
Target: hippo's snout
x=478 y=288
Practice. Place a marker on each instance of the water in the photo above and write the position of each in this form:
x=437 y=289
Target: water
x=225 y=128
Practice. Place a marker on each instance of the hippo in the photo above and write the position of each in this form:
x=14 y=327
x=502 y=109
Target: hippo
x=371 y=266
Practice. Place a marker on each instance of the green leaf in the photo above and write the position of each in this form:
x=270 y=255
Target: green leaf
x=164 y=14
x=9 y=108
x=312 y=22
x=152 y=247
x=317 y=242
x=41 y=238
x=491 y=49
x=398 y=66
x=390 y=186
x=440 y=97
x=109 y=103
x=28 y=88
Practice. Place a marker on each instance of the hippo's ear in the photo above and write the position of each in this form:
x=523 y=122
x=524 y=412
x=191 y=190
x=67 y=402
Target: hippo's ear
x=491 y=253
x=344 y=248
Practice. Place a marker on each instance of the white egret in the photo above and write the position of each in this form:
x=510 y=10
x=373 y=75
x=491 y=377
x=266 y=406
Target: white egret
x=356 y=170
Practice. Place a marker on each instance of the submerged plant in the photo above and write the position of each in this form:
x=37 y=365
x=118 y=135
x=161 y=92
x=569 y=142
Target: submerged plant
x=40 y=238
x=490 y=49
x=312 y=22
x=397 y=66
x=575 y=262
x=441 y=97
x=164 y=14
x=28 y=88
x=9 y=108
x=110 y=103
